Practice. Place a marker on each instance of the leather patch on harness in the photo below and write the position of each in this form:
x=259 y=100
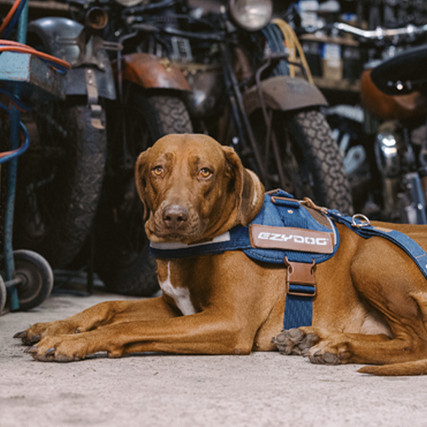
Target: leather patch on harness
x=294 y=239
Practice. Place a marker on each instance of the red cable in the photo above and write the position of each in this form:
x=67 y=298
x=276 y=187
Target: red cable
x=9 y=15
x=19 y=47
x=9 y=45
x=7 y=153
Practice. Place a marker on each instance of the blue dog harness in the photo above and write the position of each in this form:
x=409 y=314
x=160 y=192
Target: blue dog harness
x=298 y=235
x=361 y=225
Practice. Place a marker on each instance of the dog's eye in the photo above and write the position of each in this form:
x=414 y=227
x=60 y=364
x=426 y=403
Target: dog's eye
x=204 y=173
x=158 y=171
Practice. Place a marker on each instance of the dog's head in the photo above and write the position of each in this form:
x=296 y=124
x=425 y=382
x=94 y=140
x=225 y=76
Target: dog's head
x=194 y=189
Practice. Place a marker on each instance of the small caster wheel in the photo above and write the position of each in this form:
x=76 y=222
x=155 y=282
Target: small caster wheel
x=36 y=278
x=3 y=295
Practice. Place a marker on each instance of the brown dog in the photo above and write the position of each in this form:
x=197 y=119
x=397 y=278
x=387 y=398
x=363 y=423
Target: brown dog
x=371 y=303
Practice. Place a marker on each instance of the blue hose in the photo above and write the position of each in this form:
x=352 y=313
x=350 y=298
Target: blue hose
x=22 y=149
x=13 y=172
x=14 y=20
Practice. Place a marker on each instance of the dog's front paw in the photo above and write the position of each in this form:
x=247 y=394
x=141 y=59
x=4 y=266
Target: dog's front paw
x=69 y=348
x=295 y=341
x=66 y=348
x=38 y=331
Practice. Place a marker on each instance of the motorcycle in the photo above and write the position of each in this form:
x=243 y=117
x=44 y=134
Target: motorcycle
x=249 y=91
x=400 y=101
x=384 y=140
x=272 y=119
x=61 y=176
x=76 y=184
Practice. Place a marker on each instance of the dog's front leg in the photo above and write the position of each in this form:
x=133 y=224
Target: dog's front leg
x=104 y=313
x=209 y=332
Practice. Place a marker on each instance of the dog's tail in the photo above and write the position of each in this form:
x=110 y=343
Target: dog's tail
x=417 y=367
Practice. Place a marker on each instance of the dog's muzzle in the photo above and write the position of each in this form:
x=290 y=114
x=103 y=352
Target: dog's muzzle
x=174 y=221
x=174 y=218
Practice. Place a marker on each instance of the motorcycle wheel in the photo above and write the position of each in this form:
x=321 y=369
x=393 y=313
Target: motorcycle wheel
x=122 y=258
x=307 y=161
x=59 y=182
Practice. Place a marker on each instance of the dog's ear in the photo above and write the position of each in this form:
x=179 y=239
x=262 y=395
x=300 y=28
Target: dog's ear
x=246 y=185
x=140 y=181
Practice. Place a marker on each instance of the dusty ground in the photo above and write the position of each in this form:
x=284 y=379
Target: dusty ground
x=159 y=390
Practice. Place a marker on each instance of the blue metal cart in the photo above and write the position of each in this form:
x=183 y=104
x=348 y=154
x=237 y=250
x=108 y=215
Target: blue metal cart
x=27 y=277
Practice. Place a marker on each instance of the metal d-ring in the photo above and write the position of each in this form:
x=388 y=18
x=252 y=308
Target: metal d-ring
x=360 y=217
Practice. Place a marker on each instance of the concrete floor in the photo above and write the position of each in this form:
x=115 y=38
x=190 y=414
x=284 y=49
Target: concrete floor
x=263 y=389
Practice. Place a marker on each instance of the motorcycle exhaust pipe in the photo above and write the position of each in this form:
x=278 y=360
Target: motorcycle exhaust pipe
x=387 y=154
x=96 y=18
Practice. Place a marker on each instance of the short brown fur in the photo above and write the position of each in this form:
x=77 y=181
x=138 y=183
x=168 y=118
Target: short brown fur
x=370 y=308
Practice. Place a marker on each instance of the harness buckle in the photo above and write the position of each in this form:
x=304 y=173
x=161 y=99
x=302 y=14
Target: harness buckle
x=308 y=291
x=300 y=280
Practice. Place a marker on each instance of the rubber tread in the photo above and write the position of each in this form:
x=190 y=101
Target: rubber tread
x=72 y=197
x=331 y=185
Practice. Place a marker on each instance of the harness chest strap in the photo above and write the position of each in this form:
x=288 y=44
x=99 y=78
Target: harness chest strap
x=301 y=289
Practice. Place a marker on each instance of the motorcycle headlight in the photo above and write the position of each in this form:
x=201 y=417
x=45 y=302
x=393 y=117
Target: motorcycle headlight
x=252 y=15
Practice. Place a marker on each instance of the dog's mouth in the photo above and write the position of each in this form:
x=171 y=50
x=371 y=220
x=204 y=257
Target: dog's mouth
x=174 y=228
x=160 y=236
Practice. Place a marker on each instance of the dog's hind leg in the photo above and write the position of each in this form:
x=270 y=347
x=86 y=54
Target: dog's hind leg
x=323 y=347
x=393 y=288
x=334 y=348
x=392 y=285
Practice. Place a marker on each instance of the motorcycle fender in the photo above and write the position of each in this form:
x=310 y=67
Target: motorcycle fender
x=284 y=93
x=57 y=36
x=150 y=71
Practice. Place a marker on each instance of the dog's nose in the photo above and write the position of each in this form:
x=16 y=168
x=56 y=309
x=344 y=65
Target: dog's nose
x=174 y=216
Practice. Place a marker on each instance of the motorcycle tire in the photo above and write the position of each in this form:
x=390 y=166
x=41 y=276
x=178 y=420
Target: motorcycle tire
x=59 y=182
x=308 y=158
x=122 y=258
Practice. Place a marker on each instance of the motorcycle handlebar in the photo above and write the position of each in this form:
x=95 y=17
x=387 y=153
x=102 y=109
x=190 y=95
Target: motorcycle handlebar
x=380 y=33
x=150 y=7
x=140 y=8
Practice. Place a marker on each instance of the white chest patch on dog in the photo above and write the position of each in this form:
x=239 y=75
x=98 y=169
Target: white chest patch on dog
x=181 y=296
